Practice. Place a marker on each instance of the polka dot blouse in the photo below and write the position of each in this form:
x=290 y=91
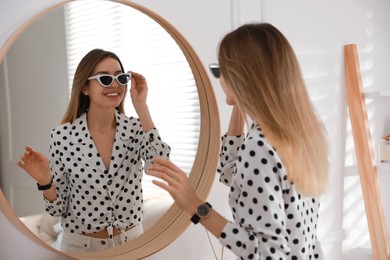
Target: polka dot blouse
x=90 y=197
x=272 y=220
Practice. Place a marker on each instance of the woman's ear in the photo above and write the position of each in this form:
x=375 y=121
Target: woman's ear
x=85 y=90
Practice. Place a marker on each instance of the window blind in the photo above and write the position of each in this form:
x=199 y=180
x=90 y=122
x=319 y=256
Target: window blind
x=144 y=47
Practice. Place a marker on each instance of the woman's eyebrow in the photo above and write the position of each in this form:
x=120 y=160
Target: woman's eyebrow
x=107 y=72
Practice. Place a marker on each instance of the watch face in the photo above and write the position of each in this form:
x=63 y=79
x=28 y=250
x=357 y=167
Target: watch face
x=203 y=210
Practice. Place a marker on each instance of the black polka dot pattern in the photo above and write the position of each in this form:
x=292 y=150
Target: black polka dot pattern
x=90 y=197
x=271 y=219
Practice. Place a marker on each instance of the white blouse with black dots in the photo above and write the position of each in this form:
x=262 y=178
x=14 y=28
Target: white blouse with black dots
x=90 y=197
x=271 y=219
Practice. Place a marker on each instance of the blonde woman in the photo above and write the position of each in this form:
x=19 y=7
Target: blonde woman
x=93 y=176
x=278 y=169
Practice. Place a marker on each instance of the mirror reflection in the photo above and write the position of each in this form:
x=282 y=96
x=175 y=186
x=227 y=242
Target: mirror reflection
x=36 y=80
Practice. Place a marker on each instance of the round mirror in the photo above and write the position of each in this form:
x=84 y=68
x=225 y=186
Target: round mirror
x=200 y=165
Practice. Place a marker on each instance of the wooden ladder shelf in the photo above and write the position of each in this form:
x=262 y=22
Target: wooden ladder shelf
x=365 y=155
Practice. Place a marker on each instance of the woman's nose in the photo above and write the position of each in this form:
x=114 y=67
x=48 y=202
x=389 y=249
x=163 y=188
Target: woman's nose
x=115 y=84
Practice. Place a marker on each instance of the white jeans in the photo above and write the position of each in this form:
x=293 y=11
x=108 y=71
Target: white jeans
x=77 y=243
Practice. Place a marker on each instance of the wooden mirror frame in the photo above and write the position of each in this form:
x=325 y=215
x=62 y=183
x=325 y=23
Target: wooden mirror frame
x=174 y=222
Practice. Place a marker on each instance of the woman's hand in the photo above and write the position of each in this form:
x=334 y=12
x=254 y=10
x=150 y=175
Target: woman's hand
x=138 y=90
x=176 y=183
x=36 y=165
x=236 y=123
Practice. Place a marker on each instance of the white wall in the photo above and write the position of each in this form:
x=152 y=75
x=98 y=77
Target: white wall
x=317 y=30
x=33 y=96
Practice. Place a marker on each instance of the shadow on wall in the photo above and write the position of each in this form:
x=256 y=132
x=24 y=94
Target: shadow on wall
x=356 y=244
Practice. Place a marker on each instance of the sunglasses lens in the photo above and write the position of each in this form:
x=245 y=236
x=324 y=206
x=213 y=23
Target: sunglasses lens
x=123 y=79
x=106 y=80
x=214 y=68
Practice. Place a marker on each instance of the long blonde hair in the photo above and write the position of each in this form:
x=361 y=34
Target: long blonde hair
x=259 y=64
x=79 y=103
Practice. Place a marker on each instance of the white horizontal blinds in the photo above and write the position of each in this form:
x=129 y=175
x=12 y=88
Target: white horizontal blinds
x=89 y=25
x=144 y=47
x=178 y=117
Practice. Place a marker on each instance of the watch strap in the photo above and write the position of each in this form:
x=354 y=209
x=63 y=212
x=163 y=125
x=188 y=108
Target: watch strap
x=46 y=186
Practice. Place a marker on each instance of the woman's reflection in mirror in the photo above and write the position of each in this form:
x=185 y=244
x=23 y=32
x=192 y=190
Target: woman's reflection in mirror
x=92 y=178
x=278 y=169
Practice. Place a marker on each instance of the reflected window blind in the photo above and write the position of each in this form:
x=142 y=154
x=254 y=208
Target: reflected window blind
x=144 y=47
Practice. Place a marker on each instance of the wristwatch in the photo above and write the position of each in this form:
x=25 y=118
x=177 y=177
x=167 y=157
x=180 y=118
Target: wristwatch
x=201 y=211
x=46 y=186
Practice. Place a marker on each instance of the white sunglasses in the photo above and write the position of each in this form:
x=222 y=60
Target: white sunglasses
x=106 y=80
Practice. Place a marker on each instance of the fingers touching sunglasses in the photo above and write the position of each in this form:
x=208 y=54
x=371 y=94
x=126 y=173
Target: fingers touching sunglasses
x=106 y=80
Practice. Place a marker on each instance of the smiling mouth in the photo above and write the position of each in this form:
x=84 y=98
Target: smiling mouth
x=112 y=94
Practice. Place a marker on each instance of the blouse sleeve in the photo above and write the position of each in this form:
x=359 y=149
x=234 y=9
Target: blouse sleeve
x=227 y=157
x=60 y=179
x=152 y=146
x=260 y=232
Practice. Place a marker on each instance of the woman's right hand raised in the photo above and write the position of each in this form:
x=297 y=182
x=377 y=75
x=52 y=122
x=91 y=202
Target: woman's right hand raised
x=236 y=123
x=36 y=165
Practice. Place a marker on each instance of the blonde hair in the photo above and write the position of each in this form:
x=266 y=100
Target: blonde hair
x=259 y=64
x=79 y=103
